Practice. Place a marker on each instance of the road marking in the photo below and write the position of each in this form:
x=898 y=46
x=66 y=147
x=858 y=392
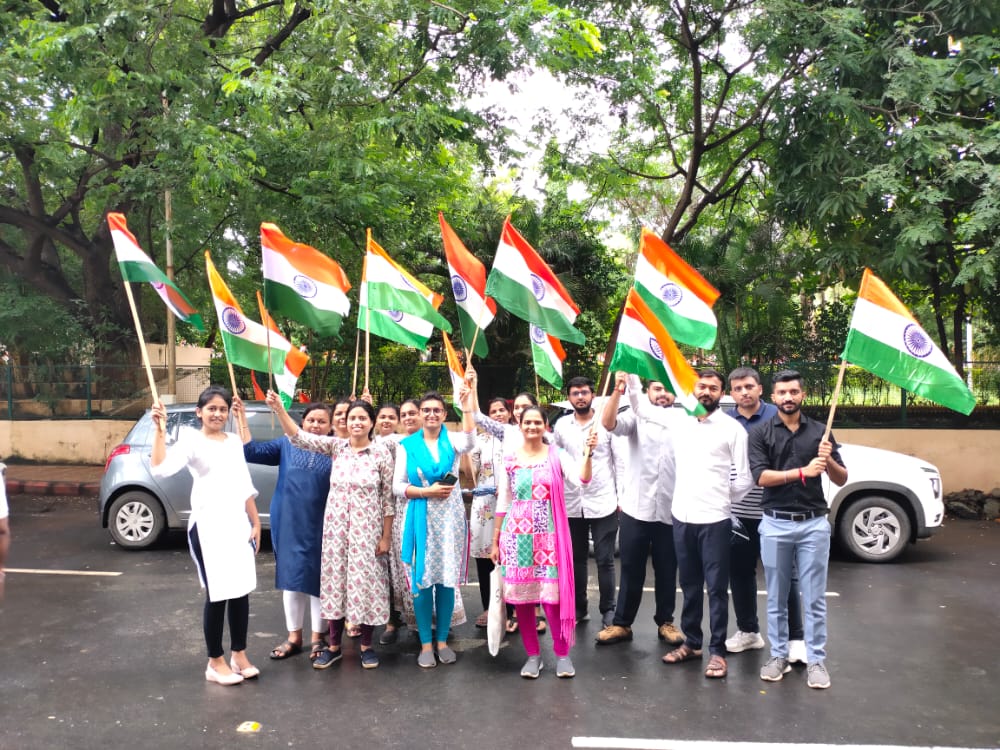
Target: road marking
x=760 y=592
x=625 y=743
x=39 y=571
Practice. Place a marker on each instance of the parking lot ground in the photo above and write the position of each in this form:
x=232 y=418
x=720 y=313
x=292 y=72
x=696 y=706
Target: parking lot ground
x=102 y=648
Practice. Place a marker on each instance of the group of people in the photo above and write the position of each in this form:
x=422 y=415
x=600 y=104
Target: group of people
x=710 y=492
x=368 y=522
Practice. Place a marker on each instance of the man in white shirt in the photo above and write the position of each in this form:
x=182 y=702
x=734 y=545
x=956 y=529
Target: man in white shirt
x=645 y=529
x=592 y=509
x=705 y=449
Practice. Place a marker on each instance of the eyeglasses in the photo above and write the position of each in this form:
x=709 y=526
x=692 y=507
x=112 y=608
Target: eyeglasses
x=432 y=411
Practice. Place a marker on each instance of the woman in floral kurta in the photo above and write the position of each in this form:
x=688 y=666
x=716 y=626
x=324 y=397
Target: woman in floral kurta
x=357 y=530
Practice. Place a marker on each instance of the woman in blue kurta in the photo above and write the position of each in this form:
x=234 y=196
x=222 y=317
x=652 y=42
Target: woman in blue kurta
x=296 y=524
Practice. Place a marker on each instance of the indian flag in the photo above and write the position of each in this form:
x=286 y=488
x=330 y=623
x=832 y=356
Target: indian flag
x=468 y=282
x=135 y=265
x=302 y=283
x=645 y=348
x=887 y=340
x=522 y=282
x=547 y=355
x=455 y=369
x=245 y=341
x=392 y=287
x=295 y=361
x=403 y=328
x=676 y=293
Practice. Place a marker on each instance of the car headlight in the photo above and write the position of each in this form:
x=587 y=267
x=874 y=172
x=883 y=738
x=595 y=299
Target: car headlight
x=935 y=480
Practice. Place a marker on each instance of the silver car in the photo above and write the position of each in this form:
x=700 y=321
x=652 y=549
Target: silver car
x=138 y=509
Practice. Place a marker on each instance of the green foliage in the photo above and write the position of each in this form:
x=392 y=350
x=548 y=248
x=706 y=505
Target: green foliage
x=891 y=151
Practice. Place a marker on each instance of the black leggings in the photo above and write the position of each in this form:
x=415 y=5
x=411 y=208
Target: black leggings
x=214 y=618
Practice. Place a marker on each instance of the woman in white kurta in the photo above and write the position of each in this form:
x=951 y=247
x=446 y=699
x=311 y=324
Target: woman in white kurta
x=223 y=529
x=434 y=534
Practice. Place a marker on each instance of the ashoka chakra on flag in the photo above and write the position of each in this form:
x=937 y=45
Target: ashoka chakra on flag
x=671 y=293
x=916 y=341
x=233 y=321
x=537 y=334
x=305 y=286
x=459 y=287
x=537 y=287
x=654 y=348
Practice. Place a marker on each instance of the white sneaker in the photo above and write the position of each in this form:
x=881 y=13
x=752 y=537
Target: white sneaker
x=741 y=641
x=797 y=652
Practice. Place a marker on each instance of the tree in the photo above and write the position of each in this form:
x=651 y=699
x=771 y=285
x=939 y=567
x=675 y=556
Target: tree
x=324 y=117
x=890 y=152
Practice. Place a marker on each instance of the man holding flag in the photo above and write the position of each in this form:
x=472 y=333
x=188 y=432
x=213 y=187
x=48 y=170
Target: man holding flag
x=644 y=521
x=789 y=453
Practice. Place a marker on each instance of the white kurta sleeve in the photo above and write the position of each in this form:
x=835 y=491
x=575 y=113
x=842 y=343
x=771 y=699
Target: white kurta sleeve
x=504 y=497
x=178 y=456
x=400 y=478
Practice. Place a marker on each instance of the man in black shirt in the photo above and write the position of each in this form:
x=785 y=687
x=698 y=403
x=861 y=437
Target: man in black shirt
x=788 y=456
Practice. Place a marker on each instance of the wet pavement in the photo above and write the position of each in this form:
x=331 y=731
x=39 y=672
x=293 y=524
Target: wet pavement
x=102 y=648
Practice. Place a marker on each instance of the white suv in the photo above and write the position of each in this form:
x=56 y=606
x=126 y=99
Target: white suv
x=889 y=499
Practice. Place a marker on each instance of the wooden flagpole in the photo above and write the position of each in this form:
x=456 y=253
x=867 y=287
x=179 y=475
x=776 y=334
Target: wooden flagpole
x=836 y=398
x=475 y=334
x=142 y=348
x=357 y=350
x=368 y=338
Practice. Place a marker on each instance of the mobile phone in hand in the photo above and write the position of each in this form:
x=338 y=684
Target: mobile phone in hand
x=448 y=479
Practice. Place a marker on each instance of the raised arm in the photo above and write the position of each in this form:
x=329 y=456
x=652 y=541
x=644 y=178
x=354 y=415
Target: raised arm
x=609 y=417
x=284 y=418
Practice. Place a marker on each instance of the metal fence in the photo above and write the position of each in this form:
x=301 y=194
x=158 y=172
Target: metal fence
x=71 y=391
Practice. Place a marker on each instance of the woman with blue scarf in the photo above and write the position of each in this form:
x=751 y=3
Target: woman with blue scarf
x=434 y=533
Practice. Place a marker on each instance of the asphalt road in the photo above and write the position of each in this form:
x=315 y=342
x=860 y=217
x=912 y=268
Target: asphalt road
x=108 y=653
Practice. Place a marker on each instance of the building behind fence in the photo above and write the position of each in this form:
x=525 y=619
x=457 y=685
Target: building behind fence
x=69 y=391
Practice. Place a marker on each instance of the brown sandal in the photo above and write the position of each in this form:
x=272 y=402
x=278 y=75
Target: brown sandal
x=286 y=649
x=682 y=653
x=716 y=668
x=316 y=648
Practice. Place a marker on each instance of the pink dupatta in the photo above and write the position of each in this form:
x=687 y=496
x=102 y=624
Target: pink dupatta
x=564 y=551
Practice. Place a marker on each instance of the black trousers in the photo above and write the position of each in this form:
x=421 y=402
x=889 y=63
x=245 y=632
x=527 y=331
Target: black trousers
x=214 y=617
x=603 y=530
x=484 y=566
x=703 y=563
x=743 y=584
x=637 y=541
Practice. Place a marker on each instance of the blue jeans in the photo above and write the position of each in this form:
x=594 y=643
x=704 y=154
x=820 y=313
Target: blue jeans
x=638 y=540
x=703 y=563
x=743 y=585
x=807 y=544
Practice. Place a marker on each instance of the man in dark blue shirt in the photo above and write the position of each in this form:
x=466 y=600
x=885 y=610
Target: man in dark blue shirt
x=789 y=453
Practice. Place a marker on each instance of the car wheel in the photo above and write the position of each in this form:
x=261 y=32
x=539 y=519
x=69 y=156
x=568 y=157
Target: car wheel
x=874 y=529
x=136 y=520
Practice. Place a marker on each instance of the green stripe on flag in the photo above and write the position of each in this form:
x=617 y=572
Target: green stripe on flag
x=900 y=368
x=686 y=330
x=522 y=303
x=286 y=301
x=247 y=354
x=468 y=328
x=383 y=296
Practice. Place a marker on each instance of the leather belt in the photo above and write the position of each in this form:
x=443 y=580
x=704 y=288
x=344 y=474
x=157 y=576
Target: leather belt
x=789 y=515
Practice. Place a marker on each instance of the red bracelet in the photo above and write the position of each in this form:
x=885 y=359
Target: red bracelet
x=802 y=477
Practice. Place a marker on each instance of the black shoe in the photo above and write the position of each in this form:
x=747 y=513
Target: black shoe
x=388 y=637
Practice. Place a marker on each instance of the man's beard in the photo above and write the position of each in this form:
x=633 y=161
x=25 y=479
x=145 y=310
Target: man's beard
x=583 y=410
x=790 y=407
x=709 y=403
